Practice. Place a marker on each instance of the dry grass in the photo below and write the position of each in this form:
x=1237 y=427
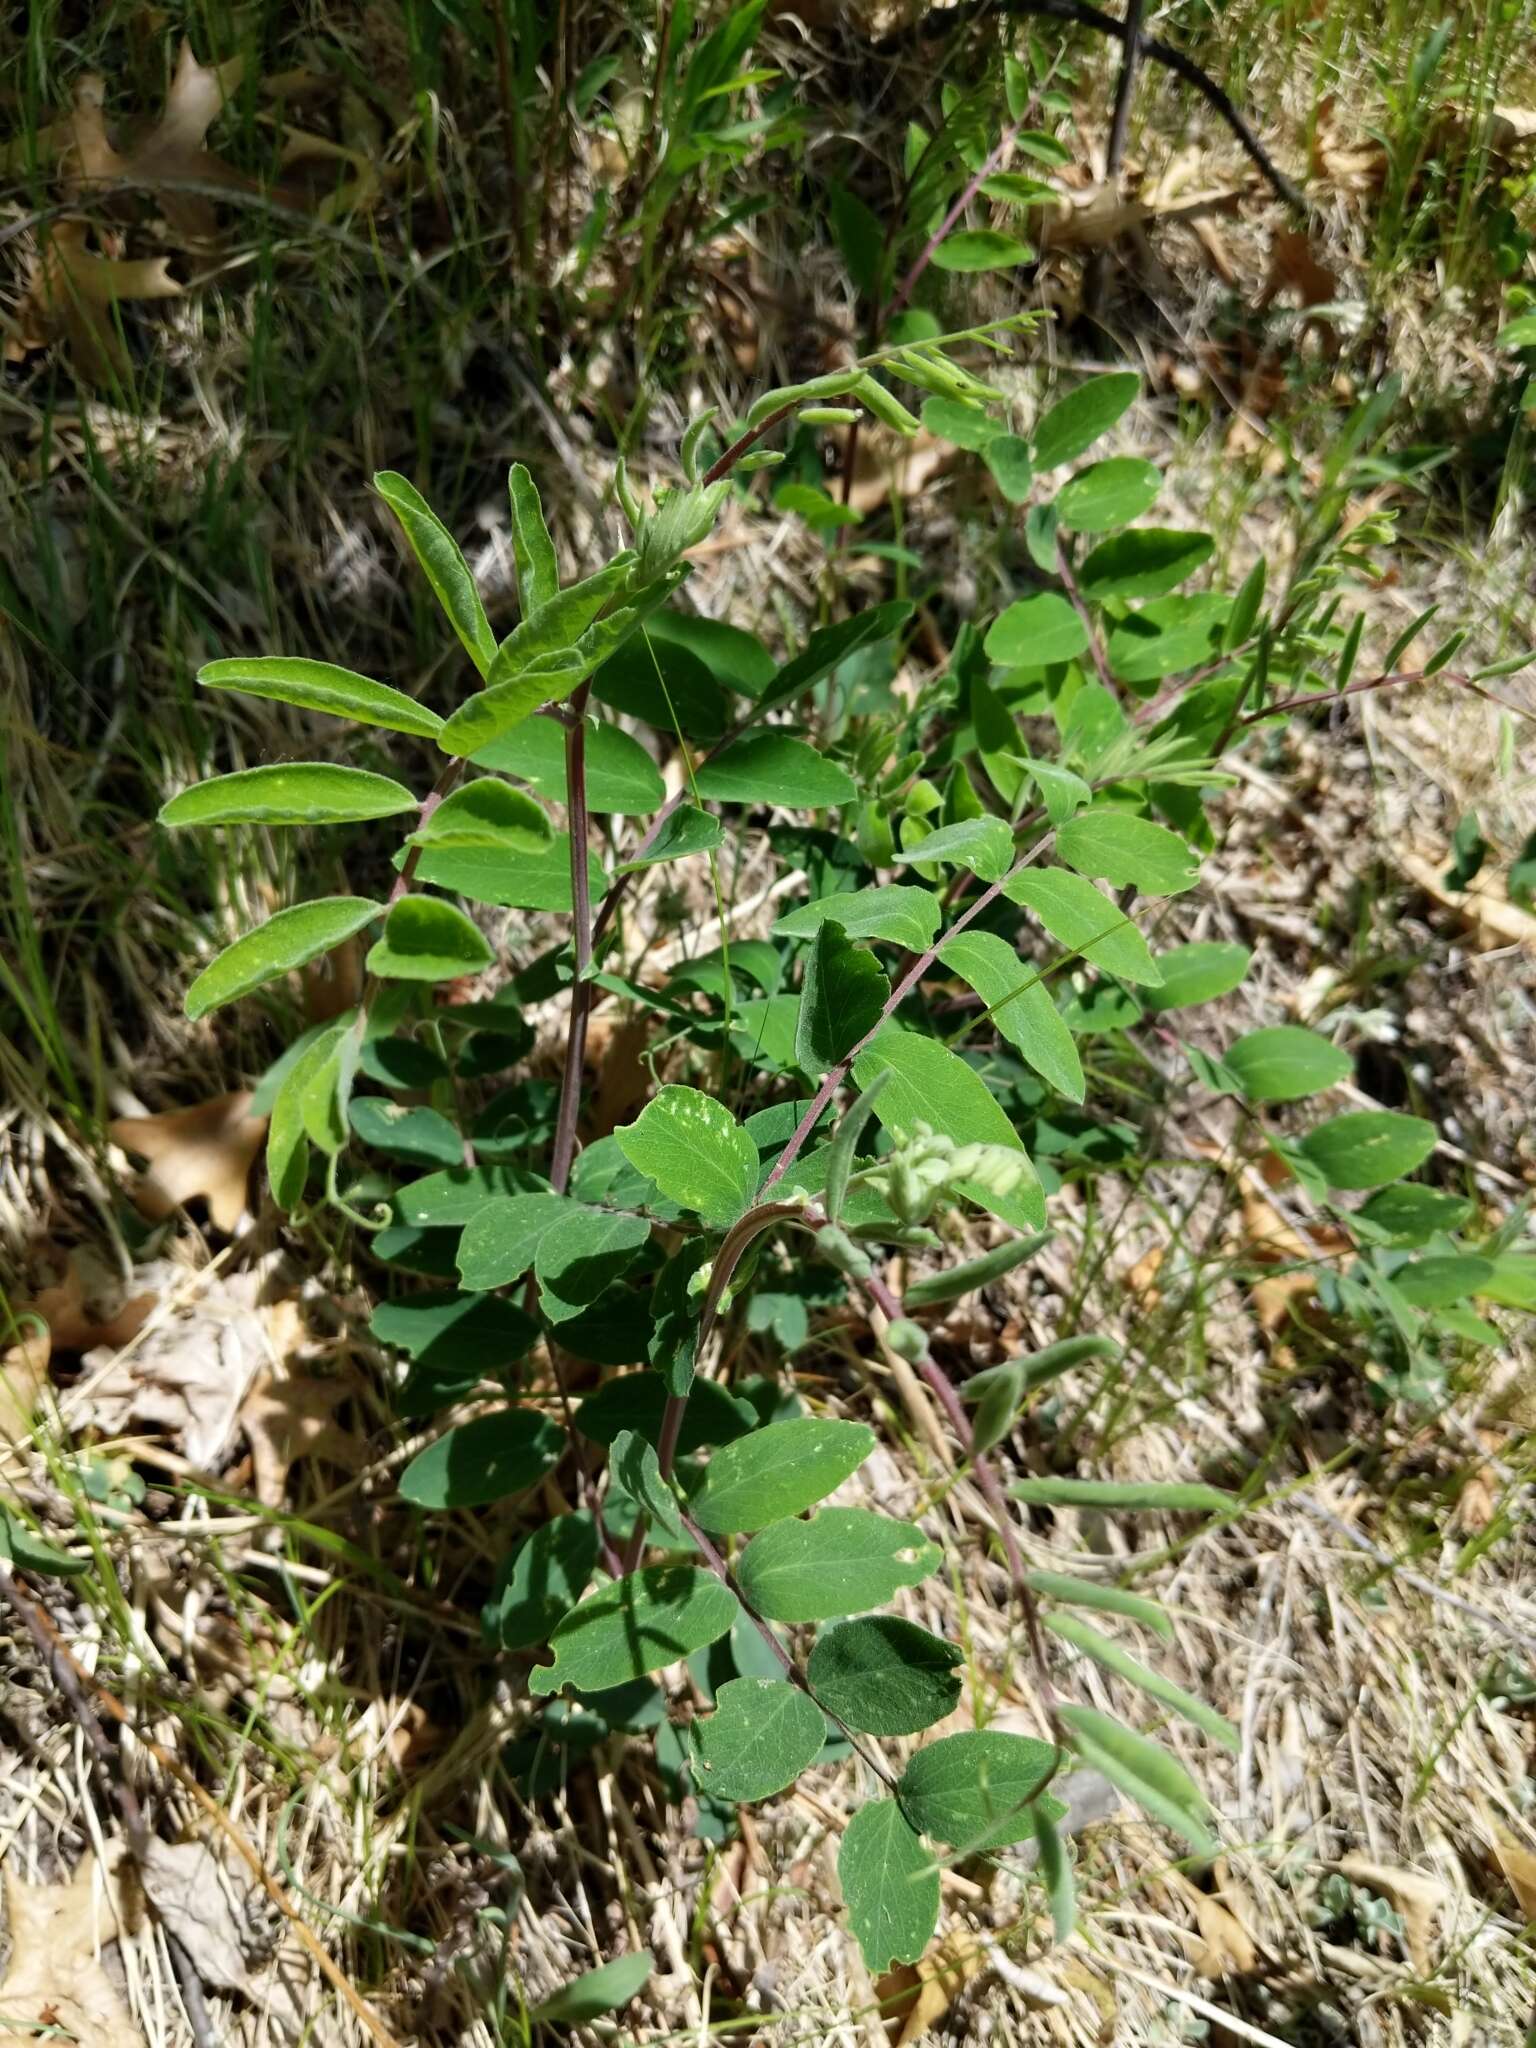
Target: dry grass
x=314 y=1661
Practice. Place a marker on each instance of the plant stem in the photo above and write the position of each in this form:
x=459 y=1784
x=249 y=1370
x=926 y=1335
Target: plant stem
x=890 y=1306
x=786 y=1662
x=1075 y=599
x=837 y=1074
x=581 y=934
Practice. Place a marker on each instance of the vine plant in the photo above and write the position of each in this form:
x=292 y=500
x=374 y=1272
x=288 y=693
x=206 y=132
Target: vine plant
x=969 y=842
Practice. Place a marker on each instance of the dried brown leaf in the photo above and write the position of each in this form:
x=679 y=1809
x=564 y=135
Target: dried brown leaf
x=206 y=1151
x=1417 y=1899
x=55 y=1979
x=71 y=294
x=1519 y=1868
x=172 y=157
x=289 y=1416
x=23 y=1375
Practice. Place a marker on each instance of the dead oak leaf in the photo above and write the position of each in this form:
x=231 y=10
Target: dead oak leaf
x=87 y=1307
x=206 y=1151
x=55 y=1977
x=70 y=297
x=1417 y=1899
x=290 y=1416
x=23 y=1375
x=172 y=158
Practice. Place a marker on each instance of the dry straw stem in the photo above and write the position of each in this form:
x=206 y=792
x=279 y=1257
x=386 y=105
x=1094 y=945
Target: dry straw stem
x=75 y=1682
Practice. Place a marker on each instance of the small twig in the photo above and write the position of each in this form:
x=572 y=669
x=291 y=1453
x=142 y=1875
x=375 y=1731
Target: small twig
x=564 y=1152
x=193 y=2003
x=1075 y=598
x=943 y=19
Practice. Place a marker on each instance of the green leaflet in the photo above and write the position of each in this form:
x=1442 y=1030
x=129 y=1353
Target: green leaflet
x=284 y=942
x=933 y=1085
x=486 y=813
x=695 y=1151
x=1108 y=494
x=1020 y=1005
x=829 y=646
x=1128 y=851
x=974 y=1789
x=321 y=686
x=885 y=1676
x=1081 y=918
x=542 y=1579
x=890 y=1885
x=1075 y=422
x=287 y=1133
x=581 y=1254
x=446 y=569
x=1147 y=561
x=1035 y=632
x=512 y=881
x=502 y=1237
x=425 y=939
x=1143 y=1771
x=636 y=1625
x=686 y=832
x=637 y=1401
x=841 y=999
x=778 y=1471
x=897 y=913
x=1367 y=1147
x=1124 y=1665
x=291 y=793
x=1197 y=973
x=761 y=1736
x=488 y=1459
x=507 y=703
x=533 y=552
x=1284 y=1063
x=984 y=845
x=841 y=1561
x=775 y=768
x=621 y=776
x=635 y=1469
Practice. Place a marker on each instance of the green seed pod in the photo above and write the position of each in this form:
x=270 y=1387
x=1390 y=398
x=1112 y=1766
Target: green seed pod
x=907 y=1340
x=839 y=1249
